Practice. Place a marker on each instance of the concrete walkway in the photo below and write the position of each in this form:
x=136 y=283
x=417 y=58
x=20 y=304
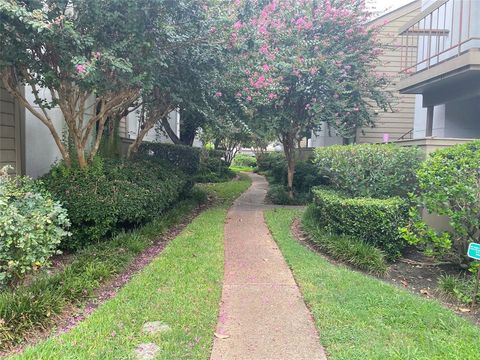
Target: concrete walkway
x=262 y=315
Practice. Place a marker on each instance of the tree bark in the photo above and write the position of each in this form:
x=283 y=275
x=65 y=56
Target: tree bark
x=288 y=142
x=168 y=129
x=153 y=116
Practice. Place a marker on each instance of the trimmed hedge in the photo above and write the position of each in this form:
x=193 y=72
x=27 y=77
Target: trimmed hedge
x=111 y=195
x=370 y=170
x=181 y=157
x=347 y=249
x=375 y=221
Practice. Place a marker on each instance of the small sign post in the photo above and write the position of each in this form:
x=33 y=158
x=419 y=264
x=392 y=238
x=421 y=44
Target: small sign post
x=474 y=253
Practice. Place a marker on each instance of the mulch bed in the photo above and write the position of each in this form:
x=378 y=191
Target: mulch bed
x=414 y=272
x=75 y=314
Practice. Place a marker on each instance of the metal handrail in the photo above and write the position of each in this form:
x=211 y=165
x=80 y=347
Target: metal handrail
x=442 y=32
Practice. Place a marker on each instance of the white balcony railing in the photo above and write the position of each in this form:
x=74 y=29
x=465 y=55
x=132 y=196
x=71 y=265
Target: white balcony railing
x=445 y=30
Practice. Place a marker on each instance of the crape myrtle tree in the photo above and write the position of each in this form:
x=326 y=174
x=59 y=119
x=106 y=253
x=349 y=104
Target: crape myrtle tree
x=86 y=57
x=304 y=63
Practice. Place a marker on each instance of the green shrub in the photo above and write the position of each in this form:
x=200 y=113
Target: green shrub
x=449 y=185
x=31 y=227
x=181 y=157
x=266 y=161
x=111 y=195
x=349 y=250
x=458 y=287
x=375 y=221
x=278 y=194
x=369 y=170
x=243 y=160
x=274 y=165
x=213 y=168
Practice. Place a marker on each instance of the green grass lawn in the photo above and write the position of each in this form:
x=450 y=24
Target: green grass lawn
x=360 y=317
x=238 y=169
x=182 y=288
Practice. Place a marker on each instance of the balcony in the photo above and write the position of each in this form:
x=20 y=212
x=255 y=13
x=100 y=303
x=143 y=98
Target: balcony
x=441 y=44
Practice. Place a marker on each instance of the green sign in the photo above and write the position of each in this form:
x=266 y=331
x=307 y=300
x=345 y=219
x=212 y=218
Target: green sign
x=474 y=251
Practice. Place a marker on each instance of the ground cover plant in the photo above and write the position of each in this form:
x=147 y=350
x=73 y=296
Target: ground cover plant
x=181 y=288
x=360 y=317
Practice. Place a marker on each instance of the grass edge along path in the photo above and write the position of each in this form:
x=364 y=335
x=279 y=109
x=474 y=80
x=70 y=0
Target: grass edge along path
x=360 y=317
x=36 y=305
x=181 y=288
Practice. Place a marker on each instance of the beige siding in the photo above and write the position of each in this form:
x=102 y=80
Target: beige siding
x=399 y=122
x=10 y=135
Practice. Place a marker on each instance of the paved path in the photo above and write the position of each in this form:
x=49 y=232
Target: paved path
x=262 y=312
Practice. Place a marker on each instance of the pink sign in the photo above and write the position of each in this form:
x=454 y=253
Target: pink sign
x=386 y=138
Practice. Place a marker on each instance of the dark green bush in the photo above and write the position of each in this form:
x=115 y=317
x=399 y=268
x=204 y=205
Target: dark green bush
x=375 y=221
x=111 y=195
x=274 y=166
x=273 y=163
x=181 y=157
x=350 y=250
x=278 y=194
x=244 y=160
x=370 y=170
x=213 y=168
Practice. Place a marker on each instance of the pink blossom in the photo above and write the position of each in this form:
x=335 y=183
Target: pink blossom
x=238 y=25
x=81 y=68
x=249 y=98
x=272 y=96
x=218 y=94
x=265 y=67
x=264 y=49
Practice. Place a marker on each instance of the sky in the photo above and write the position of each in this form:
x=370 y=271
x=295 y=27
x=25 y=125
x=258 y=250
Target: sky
x=385 y=5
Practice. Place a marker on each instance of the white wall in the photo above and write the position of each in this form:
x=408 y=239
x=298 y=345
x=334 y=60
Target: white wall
x=41 y=151
x=154 y=135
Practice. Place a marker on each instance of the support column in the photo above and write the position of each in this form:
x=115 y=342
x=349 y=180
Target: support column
x=429 y=125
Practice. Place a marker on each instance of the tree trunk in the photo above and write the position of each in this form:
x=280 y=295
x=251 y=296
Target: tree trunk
x=168 y=129
x=288 y=142
x=133 y=147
